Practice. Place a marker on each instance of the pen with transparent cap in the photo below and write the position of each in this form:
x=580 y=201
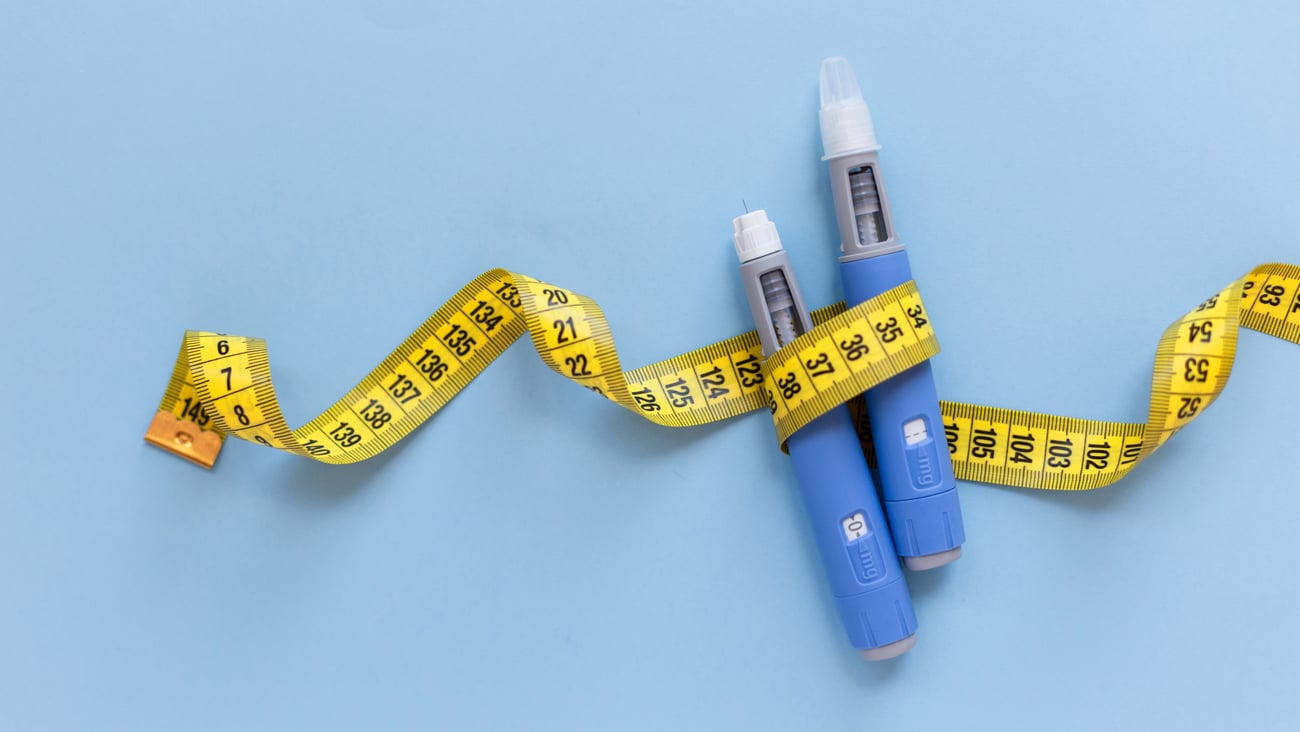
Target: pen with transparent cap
x=852 y=537
x=906 y=426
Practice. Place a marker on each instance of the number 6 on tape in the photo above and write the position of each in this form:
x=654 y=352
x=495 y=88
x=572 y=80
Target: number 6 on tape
x=221 y=384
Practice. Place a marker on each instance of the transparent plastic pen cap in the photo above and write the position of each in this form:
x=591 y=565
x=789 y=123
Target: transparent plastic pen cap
x=754 y=236
x=846 y=121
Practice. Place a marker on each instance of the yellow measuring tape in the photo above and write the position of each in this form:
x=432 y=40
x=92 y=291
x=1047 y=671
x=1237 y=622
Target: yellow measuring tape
x=221 y=384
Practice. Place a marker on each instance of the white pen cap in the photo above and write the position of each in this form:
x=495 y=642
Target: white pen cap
x=754 y=236
x=846 y=121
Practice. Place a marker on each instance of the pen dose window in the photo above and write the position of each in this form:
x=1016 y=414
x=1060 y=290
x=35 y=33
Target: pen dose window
x=855 y=526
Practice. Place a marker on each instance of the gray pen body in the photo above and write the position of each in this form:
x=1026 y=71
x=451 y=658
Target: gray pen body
x=772 y=290
x=858 y=190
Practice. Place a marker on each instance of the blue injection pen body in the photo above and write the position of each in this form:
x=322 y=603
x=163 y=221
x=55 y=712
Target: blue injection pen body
x=906 y=426
x=848 y=524
x=916 y=473
x=866 y=580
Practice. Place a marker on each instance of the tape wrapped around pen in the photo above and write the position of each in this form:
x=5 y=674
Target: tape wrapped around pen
x=221 y=384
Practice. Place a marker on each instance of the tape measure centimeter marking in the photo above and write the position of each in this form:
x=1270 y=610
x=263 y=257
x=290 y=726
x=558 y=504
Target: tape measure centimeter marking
x=227 y=378
x=845 y=355
x=1193 y=361
x=222 y=384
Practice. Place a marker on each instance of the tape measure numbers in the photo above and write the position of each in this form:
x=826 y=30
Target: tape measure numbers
x=221 y=384
x=1192 y=364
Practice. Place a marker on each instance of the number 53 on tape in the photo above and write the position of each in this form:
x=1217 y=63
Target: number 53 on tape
x=221 y=384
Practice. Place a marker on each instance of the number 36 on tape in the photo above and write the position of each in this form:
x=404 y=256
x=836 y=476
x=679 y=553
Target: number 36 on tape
x=221 y=384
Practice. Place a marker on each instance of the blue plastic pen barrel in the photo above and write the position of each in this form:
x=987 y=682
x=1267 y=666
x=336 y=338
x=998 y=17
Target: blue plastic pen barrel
x=852 y=536
x=916 y=475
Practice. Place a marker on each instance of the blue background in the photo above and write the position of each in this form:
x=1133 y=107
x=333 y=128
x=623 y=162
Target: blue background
x=1070 y=179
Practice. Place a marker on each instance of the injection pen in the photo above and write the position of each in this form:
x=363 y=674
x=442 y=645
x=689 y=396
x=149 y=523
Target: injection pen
x=915 y=468
x=847 y=522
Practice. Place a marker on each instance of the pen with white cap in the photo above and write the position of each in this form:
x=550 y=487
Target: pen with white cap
x=838 y=493
x=906 y=426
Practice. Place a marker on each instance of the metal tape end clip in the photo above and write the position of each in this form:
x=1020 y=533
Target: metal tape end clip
x=184 y=438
